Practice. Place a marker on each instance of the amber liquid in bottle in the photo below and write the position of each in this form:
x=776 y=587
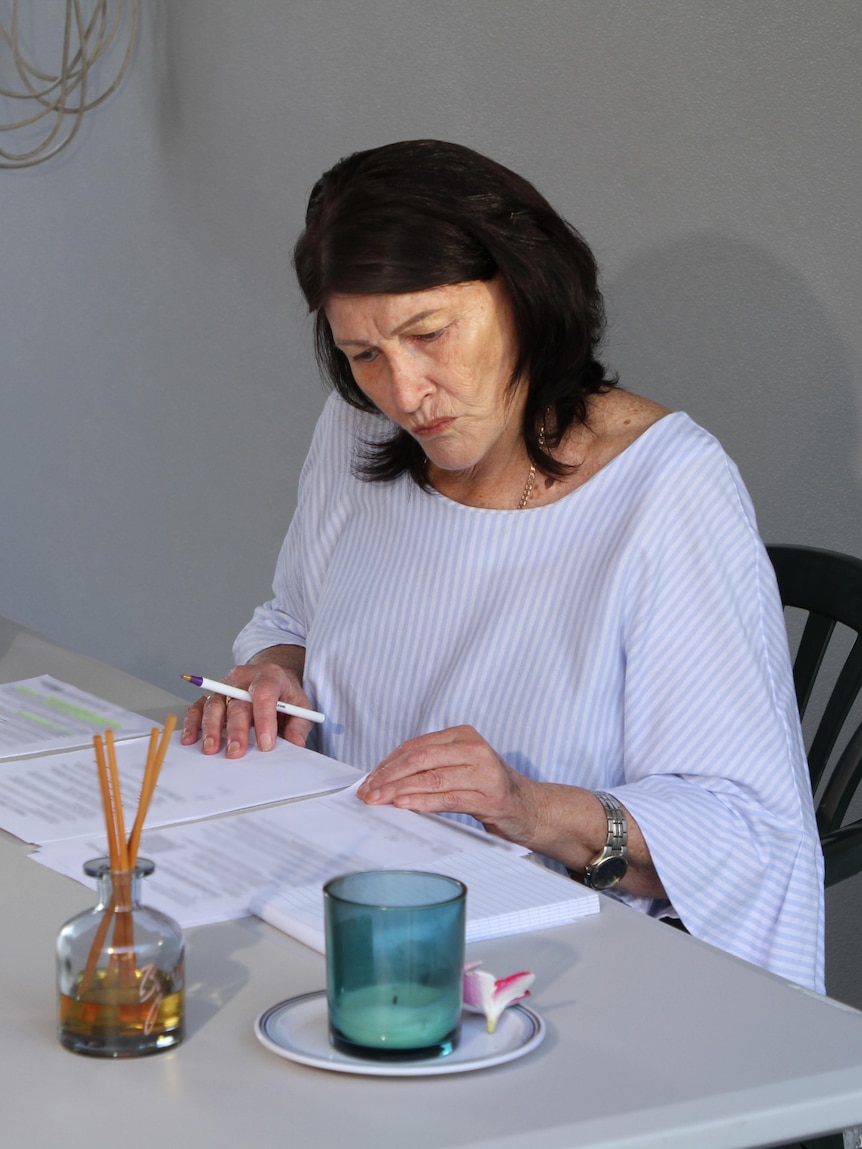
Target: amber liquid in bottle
x=103 y=1017
x=120 y=972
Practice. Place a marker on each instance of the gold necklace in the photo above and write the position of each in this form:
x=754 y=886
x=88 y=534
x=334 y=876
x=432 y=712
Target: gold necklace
x=531 y=478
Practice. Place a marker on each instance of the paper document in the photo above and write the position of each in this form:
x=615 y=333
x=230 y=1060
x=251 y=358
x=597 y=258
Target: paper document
x=505 y=895
x=57 y=796
x=42 y=714
x=221 y=846
x=210 y=871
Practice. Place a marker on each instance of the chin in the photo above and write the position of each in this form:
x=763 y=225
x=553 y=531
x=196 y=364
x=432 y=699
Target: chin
x=454 y=465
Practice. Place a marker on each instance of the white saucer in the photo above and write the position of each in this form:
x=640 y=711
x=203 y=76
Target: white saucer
x=298 y=1030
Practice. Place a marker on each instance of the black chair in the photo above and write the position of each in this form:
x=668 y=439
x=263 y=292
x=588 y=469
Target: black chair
x=828 y=586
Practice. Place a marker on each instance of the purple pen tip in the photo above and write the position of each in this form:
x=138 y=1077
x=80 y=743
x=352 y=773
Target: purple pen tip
x=194 y=679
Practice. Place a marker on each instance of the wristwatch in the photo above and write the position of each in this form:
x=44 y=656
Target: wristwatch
x=611 y=864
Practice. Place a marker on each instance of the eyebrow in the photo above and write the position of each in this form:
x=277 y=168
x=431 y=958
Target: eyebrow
x=417 y=318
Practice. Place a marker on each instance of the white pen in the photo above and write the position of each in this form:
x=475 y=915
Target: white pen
x=244 y=696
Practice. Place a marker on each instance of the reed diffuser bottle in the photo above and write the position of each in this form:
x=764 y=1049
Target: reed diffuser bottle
x=120 y=965
x=120 y=971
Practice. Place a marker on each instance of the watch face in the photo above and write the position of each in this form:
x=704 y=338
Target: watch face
x=608 y=872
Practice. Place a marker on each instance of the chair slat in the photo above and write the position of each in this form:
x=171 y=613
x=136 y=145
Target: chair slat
x=843 y=782
x=809 y=657
x=844 y=694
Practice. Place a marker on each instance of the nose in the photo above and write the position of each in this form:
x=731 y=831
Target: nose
x=408 y=383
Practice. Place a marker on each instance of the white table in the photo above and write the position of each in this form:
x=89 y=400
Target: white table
x=654 y=1039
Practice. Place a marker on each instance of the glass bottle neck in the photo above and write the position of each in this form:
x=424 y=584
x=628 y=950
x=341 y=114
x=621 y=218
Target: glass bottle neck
x=119 y=889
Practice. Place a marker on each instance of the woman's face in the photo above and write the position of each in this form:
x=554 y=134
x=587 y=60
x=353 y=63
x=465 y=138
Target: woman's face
x=438 y=363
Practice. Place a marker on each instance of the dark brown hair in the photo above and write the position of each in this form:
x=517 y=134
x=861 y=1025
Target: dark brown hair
x=423 y=213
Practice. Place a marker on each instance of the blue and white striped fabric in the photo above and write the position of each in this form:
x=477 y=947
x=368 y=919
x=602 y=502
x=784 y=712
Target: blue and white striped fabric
x=628 y=637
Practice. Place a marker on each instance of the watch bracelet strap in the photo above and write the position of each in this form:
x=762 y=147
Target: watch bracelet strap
x=618 y=828
x=618 y=832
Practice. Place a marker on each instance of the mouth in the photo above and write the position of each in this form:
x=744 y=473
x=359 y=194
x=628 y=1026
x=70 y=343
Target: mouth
x=434 y=427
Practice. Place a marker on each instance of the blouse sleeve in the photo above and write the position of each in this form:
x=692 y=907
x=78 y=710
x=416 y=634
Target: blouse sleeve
x=285 y=618
x=715 y=767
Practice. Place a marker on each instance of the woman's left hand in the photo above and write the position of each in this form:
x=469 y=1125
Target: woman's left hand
x=456 y=771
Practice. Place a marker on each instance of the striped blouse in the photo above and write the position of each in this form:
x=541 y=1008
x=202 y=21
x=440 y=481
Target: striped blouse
x=628 y=637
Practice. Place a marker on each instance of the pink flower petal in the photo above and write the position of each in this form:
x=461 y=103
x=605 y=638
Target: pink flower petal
x=483 y=993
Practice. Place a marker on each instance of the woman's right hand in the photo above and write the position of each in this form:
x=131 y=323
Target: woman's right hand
x=216 y=718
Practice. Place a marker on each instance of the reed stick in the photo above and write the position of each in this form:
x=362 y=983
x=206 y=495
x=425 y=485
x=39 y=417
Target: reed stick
x=124 y=939
x=122 y=854
x=155 y=760
x=117 y=802
x=107 y=802
x=108 y=791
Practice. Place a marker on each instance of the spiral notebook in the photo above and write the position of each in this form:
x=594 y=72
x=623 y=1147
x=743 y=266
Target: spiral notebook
x=505 y=895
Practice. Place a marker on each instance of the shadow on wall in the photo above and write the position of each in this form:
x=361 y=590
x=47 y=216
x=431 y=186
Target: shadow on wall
x=720 y=329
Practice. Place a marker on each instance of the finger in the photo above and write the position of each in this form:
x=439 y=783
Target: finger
x=484 y=792
x=435 y=785
x=212 y=723
x=444 y=802
x=237 y=724
x=296 y=730
x=456 y=746
x=274 y=684
x=192 y=723
x=436 y=778
x=267 y=690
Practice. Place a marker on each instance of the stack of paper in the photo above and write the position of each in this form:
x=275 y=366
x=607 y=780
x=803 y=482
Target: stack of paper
x=512 y=896
x=267 y=833
x=40 y=714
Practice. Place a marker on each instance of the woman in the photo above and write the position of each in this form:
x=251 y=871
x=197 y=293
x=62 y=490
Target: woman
x=518 y=592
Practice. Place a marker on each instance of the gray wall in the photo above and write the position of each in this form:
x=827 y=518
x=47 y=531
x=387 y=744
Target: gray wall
x=158 y=392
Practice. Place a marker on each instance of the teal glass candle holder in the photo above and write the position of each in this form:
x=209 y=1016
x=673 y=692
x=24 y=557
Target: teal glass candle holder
x=394 y=963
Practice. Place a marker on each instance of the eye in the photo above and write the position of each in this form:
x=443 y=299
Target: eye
x=367 y=356
x=429 y=336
